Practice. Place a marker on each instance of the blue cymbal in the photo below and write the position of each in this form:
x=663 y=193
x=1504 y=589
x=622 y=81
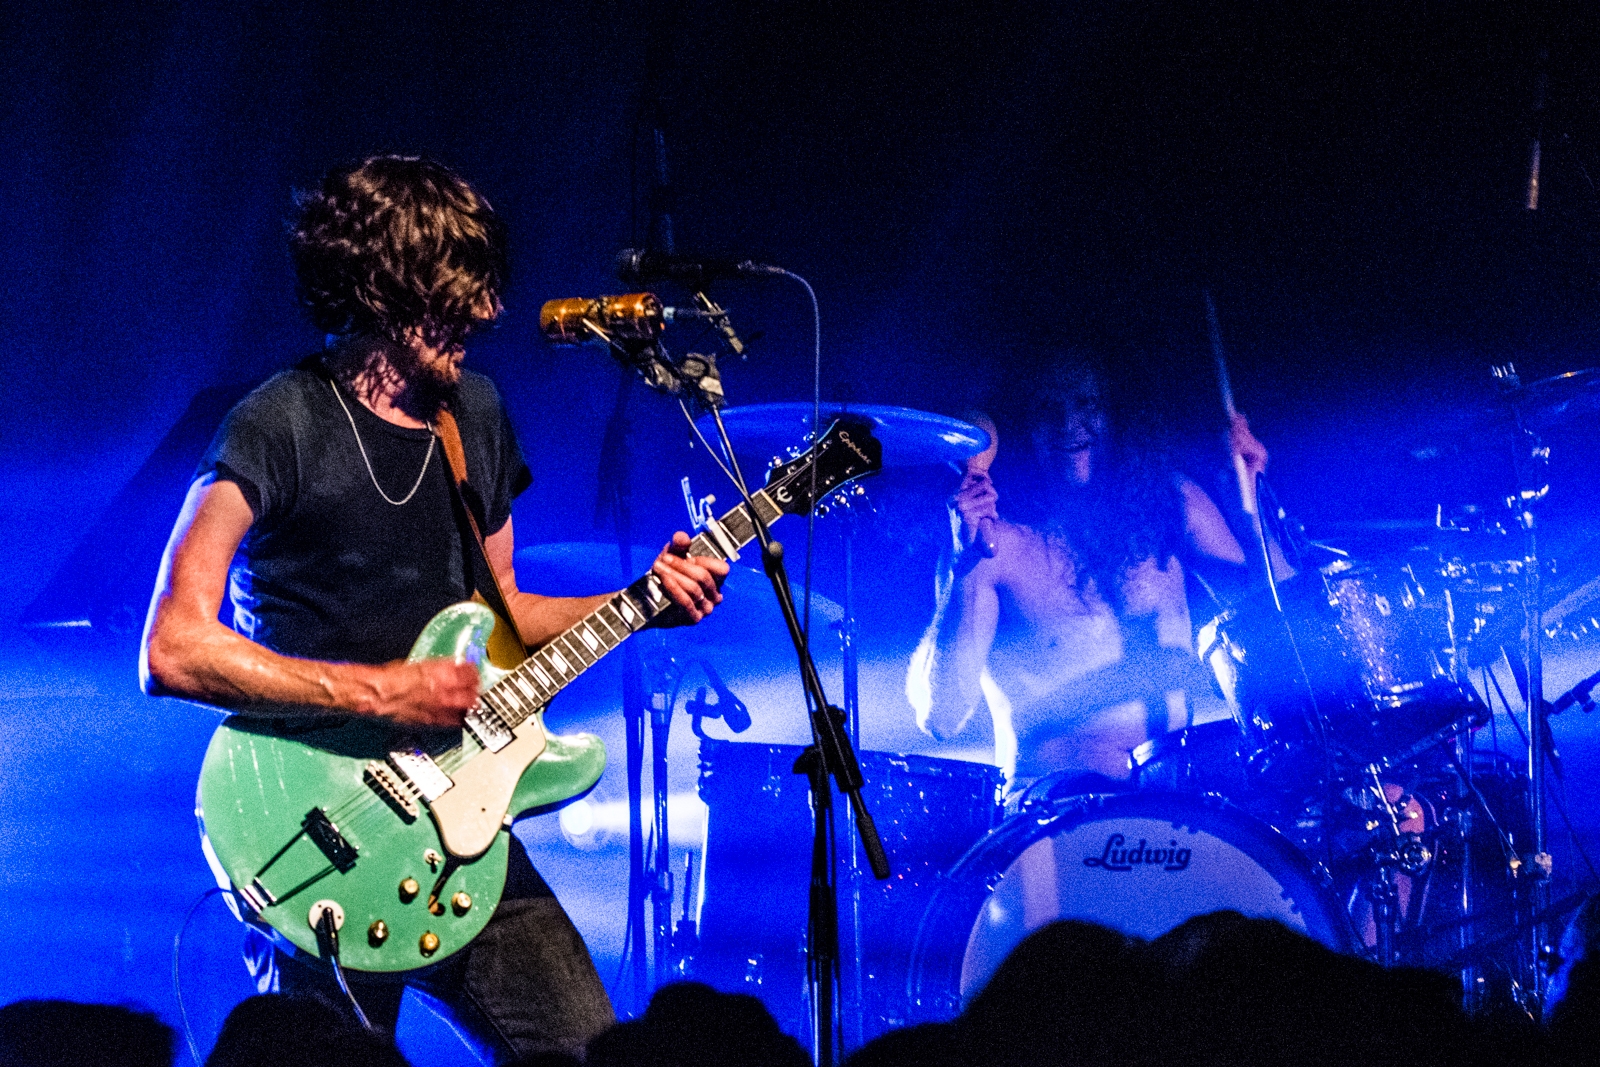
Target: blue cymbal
x=908 y=436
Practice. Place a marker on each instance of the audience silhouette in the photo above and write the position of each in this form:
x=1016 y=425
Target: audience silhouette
x=63 y=1033
x=1220 y=990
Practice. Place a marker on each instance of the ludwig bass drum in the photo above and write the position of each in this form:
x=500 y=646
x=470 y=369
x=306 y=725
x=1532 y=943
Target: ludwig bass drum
x=1141 y=863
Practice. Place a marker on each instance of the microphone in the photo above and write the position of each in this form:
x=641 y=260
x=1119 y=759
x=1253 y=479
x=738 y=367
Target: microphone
x=641 y=266
x=1580 y=695
x=604 y=319
x=728 y=707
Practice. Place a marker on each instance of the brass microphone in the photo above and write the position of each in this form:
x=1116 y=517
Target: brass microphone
x=604 y=320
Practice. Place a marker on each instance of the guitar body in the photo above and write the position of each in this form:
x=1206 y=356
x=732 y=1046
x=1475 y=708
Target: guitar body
x=261 y=777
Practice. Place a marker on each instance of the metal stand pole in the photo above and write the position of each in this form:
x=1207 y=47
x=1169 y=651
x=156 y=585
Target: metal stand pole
x=1538 y=740
x=616 y=490
x=856 y=1002
x=661 y=865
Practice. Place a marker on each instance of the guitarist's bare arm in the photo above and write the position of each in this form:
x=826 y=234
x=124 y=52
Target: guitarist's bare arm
x=188 y=653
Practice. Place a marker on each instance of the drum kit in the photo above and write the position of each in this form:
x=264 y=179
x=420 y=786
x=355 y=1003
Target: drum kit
x=1347 y=794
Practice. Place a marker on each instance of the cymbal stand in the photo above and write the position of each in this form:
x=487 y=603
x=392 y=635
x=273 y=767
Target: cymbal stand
x=855 y=1018
x=1530 y=459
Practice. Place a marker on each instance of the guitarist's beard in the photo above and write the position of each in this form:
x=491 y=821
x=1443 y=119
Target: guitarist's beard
x=423 y=383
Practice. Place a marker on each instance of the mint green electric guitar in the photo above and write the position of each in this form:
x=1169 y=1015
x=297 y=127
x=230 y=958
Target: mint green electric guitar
x=404 y=838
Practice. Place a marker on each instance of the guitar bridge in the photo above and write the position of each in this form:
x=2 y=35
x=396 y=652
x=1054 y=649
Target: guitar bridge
x=388 y=785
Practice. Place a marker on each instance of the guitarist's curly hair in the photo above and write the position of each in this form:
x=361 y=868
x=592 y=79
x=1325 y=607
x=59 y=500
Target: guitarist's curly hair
x=395 y=245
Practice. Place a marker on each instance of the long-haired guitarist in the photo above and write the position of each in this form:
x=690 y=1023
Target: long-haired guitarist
x=331 y=485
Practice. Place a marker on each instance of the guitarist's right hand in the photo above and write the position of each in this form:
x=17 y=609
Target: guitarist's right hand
x=430 y=692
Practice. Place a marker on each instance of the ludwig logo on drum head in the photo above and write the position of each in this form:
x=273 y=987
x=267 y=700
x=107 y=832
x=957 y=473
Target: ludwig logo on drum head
x=1118 y=856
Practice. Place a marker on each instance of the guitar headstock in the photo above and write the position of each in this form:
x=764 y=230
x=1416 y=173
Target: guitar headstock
x=847 y=451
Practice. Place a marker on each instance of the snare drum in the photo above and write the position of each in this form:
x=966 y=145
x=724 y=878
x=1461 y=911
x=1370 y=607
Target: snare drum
x=1141 y=863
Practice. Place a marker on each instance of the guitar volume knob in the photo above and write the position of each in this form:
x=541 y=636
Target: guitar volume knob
x=409 y=888
x=428 y=943
x=378 y=932
x=461 y=902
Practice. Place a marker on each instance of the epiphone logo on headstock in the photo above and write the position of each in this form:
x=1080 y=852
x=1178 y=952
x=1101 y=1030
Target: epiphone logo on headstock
x=1119 y=857
x=844 y=436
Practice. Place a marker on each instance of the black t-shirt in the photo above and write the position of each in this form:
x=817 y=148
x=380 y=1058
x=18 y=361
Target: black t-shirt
x=330 y=569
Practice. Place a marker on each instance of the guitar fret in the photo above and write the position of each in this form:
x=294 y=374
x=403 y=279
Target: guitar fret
x=558 y=663
x=543 y=678
x=611 y=631
x=587 y=636
x=579 y=653
x=737 y=523
x=494 y=702
x=765 y=508
x=629 y=612
x=528 y=691
x=516 y=711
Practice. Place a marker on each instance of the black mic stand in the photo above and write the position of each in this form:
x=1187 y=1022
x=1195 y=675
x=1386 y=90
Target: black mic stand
x=830 y=752
x=616 y=489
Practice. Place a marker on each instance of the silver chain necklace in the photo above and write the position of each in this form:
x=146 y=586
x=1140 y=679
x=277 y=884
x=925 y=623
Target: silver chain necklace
x=367 y=460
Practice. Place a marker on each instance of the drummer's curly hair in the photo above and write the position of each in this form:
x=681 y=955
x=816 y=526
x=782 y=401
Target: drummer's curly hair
x=397 y=244
x=1131 y=510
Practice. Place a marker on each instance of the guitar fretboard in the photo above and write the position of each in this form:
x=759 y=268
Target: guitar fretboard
x=532 y=684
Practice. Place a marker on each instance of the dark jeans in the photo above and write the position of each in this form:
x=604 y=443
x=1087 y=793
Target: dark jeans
x=525 y=985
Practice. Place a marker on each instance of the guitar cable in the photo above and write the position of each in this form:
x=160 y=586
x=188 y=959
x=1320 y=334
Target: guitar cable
x=328 y=945
x=177 y=984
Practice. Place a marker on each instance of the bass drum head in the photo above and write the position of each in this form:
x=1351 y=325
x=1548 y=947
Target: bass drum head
x=1138 y=863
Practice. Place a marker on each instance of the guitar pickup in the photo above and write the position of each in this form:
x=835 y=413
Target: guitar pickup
x=326 y=836
x=491 y=735
x=417 y=769
x=387 y=784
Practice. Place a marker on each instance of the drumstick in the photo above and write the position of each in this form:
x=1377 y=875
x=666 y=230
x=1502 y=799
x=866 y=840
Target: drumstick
x=979 y=464
x=1247 y=484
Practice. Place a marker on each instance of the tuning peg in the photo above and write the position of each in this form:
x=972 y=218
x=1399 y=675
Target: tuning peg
x=777 y=461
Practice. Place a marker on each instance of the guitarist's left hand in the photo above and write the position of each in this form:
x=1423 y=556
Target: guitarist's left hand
x=693 y=582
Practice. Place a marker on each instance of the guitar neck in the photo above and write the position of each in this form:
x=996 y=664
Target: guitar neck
x=534 y=682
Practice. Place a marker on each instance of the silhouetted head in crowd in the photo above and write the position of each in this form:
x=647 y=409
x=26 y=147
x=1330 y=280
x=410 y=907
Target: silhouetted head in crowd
x=1070 y=989
x=1251 y=991
x=1572 y=1002
x=62 y=1033
x=1578 y=944
x=927 y=1045
x=298 y=1030
x=689 y=1024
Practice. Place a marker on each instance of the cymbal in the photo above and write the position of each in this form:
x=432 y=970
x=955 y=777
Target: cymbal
x=908 y=436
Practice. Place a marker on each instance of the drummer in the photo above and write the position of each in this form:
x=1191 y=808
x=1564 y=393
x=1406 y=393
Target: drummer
x=1075 y=632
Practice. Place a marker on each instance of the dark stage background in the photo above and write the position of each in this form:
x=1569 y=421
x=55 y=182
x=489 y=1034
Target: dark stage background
x=958 y=182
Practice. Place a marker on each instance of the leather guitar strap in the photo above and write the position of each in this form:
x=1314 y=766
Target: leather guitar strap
x=456 y=457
